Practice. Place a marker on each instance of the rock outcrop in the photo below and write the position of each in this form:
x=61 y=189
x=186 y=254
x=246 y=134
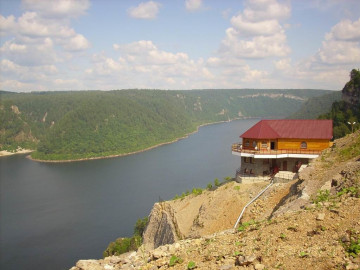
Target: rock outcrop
x=351 y=90
x=162 y=228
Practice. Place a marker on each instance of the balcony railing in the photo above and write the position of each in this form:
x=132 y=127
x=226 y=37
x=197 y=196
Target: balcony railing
x=238 y=147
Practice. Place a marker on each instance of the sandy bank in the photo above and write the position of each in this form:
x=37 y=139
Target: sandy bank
x=19 y=151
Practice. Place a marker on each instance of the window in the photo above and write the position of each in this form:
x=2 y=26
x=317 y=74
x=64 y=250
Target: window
x=247 y=143
x=254 y=144
x=303 y=145
x=263 y=144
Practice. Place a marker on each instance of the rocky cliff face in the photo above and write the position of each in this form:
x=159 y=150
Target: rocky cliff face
x=162 y=228
x=351 y=90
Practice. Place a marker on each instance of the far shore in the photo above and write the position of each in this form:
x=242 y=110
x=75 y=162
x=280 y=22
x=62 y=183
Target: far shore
x=135 y=152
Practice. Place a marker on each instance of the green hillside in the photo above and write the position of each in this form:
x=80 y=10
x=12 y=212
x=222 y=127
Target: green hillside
x=346 y=112
x=316 y=106
x=84 y=124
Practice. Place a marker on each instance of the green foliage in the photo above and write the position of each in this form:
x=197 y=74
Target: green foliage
x=174 y=260
x=303 y=254
x=209 y=186
x=322 y=196
x=191 y=265
x=351 y=151
x=140 y=226
x=89 y=124
x=316 y=106
x=227 y=178
x=353 y=246
x=237 y=187
x=354 y=191
x=197 y=191
x=122 y=245
x=216 y=182
x=283 y=236
x=245 y=225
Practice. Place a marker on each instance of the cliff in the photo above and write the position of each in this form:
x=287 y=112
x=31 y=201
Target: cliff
x=312 y=222
x=351 y=90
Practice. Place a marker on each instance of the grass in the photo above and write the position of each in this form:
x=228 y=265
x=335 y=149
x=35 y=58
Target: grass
x=245 y=225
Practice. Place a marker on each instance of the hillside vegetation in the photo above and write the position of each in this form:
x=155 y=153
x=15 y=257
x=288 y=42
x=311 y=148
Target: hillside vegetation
x=316 y=106
x=346 y=112
x=88 y=124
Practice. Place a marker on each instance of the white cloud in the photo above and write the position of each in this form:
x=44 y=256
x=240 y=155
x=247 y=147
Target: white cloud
x=257 y=32
x=77 y=43
x=341 y=45
x=145 y=10
x=249 y=28
x=347 y=30
x=193 y=5
x=283 y=64
x=262 y=10
x=38 y=53
x=57 y=8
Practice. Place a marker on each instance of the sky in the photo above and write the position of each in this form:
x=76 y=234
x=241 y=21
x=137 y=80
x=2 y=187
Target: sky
x=177 y=44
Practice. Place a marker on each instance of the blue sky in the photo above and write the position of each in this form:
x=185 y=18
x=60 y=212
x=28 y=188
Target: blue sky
x=174 y=44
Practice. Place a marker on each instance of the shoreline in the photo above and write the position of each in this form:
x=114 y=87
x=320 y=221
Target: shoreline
x=5 y=153
x=139 y=151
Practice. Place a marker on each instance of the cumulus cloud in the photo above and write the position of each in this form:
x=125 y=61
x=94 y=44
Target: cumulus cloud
x=57 y=8
x=347 y=30
x=193 y=5
x=341 y=44
x=145 y=10
x=256 y=32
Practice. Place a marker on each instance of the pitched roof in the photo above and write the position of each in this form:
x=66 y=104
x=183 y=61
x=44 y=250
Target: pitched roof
x=292 y=129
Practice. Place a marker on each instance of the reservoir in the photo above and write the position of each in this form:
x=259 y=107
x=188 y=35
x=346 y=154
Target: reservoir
x=53 y=214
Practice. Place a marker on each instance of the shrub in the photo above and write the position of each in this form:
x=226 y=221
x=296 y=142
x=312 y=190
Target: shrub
x=216 y=182
x=322 y=196
x=140 y=226
x=174 y=260
x=197 y=191
x=191 y=265
x=209 y=186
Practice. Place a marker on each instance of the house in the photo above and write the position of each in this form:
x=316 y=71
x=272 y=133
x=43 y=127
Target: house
x=280 y=148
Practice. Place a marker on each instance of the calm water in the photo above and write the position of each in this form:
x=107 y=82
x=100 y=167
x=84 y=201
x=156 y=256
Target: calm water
x=52 y=215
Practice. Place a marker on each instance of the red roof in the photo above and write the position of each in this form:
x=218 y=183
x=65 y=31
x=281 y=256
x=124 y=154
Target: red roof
x=291 y=129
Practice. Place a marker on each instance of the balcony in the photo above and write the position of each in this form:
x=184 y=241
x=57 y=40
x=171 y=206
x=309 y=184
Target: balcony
x=238 y=150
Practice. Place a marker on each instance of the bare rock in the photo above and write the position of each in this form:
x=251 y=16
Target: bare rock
x=320 y=216
x=162 y=228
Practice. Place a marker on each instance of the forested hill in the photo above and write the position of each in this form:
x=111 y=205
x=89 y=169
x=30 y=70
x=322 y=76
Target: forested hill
x=85 y=124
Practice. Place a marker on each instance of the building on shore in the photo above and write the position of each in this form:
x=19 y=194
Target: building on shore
x=280 y=148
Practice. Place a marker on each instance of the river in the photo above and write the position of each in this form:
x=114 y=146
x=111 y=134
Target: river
x=53 y=214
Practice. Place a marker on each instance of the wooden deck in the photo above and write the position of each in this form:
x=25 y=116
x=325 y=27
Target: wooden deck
x=237 y=147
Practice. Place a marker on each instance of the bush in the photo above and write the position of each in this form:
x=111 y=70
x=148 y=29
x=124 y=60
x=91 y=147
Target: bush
x=209 y=186
x=191 y=265
x=216 y=182
x=174 y=260
x=197 y=191
x=322 y=196
x=140 y=226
